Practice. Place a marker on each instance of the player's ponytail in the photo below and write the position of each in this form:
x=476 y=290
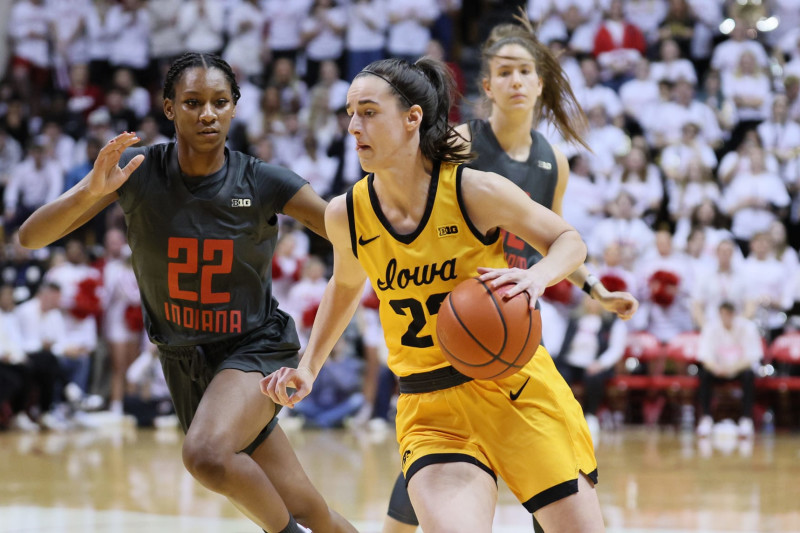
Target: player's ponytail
x=429 y=84
x=557 y=103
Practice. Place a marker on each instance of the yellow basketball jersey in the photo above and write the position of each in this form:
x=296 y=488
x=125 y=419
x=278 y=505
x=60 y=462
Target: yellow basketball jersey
x=412 y=273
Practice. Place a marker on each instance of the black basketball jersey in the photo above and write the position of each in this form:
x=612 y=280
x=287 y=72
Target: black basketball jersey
x=204 y=264
x=538 y=177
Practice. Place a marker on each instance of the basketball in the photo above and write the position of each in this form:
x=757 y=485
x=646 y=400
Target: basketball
x=485 y=336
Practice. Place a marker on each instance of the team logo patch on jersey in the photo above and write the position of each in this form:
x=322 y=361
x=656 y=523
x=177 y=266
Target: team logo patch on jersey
x=544 y=164
x=241 y=202
x=446 y=231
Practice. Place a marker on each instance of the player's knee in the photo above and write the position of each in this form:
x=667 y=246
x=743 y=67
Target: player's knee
x=205 y=463
x=312 y=511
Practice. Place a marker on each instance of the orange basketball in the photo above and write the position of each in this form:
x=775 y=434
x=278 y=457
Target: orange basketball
x=485 y=336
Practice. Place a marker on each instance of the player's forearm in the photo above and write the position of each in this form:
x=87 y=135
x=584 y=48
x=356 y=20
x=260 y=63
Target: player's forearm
x=57 y=218
x=336 y=309
x=579 y=276
x=564 y=257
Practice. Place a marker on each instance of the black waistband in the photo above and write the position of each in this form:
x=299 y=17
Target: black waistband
x=439 y=379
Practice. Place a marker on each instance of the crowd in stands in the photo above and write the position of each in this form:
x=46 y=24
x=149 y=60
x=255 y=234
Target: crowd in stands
x=688 y=198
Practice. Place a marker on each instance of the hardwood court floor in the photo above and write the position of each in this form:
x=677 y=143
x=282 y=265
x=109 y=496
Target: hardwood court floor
x=126 y=480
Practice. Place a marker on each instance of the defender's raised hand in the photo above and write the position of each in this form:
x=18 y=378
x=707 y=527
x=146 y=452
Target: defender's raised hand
x=106 y=175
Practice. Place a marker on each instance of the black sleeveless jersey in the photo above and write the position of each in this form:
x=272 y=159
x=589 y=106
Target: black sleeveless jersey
x=538 y=177
x=204 y=264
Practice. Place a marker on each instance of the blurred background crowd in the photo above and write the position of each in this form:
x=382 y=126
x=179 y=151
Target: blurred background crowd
x=688 y=198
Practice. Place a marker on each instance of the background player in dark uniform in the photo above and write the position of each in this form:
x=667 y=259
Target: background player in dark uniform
x=202 y=225
x=521 y=80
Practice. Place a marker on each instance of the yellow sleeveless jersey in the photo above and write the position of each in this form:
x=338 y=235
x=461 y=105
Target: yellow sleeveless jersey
x=412 y=273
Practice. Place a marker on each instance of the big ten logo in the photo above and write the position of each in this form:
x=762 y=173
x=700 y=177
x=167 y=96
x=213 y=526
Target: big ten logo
x=240 y=202
x=445 y=231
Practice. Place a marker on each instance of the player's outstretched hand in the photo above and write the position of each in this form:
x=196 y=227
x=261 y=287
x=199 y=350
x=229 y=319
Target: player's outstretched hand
x=106 y=176
x=522 y=279
x=620 y=302
x=276 y=384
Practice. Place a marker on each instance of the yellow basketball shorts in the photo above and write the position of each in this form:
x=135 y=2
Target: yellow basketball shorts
x=527 y=429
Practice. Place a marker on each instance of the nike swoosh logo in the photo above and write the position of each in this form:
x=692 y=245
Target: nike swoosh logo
x=364 y=242
x=515 y=395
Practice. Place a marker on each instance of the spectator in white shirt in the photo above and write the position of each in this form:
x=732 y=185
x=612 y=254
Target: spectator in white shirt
x=770 y=292
x=623 y=227
x=305 y=295
x=28 y=27
x=640 y=178
x=724 y=282
x=781 y=138
x=750 y=90
x=246 y=47
x=42 y=333
x=365 y=36
x=593 y=93
x=137 y=98
x=101 y=41
x=290 y=142
x=753 y=199
x=785 y=254
x=314 y=166
x=60 y=146
x=409 y=27
x=666 y=281
x=318 y=119
x=202 y=25
x=730 y=347
x=672 y=66
x=10 y=156
x=128 y=24
x=81 y=305
x=268 y=118
x=640 y=93
x=677 y=156
x=165 y=41
x=690 y=188
x=71 y=36
x=725 y=58
x=584 y=204
x=283 y=26
x=323 y=36
x=293 y=91
x=35 y=181
x=708 y=217
x=667 y=125
x=788 y=13
x=609 y=143
x=723 y=107
x=335 y=86
x=737 y=161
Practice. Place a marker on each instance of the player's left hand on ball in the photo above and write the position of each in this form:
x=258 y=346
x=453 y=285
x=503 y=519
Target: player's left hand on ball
x=522 y=279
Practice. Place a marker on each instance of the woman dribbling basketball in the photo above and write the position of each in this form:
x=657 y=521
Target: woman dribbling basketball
x=456 y=435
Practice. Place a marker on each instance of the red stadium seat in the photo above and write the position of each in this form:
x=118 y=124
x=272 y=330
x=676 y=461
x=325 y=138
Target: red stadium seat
x=784 y=353
x=640 y=347
x=683 y=350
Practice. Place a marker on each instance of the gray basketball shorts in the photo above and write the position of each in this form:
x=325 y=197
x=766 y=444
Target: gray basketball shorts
x=189 y=370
